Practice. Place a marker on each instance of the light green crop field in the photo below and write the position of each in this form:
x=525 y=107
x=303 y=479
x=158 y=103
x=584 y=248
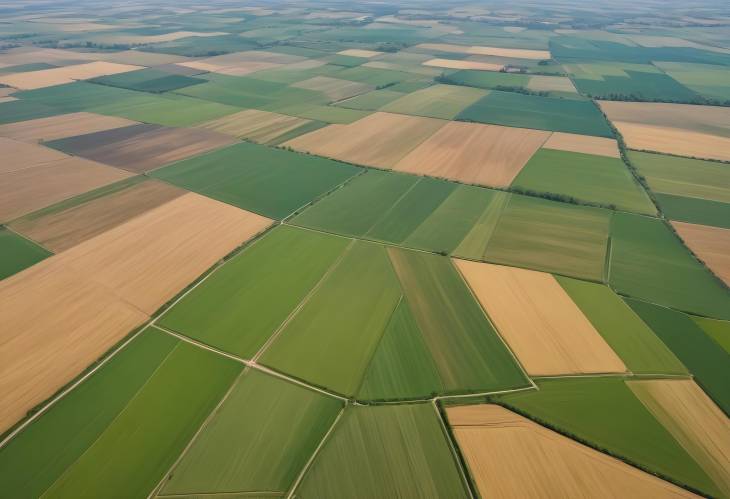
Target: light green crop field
x=605 y=413
x=718 y=330
x=438 y=101
x=389 y=451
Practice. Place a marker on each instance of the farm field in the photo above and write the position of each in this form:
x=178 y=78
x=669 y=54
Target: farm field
x=366 y=249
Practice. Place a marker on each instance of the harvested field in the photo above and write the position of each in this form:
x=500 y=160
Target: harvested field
x=691 y=417
x=20 y=156
x=546 y=330
x=182 y=239
x=166 y=37
x=586 y=144
x=510 y=456
x=436 y=101
x=255 y=125
x=494 y=51
x=359 y=53
x=395 y=136
x=66 y=74
x=61 y=229
x=541 y=83
x=334 y=88
x=474 y=153
x=710 y=244
x=142 y=148
x=61 y=126
x=463 y=64
x=55 y=323
x=28 y=190
x=682 y=129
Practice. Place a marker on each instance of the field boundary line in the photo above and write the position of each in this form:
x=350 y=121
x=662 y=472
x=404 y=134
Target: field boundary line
x=23 y=236
x=155 y=491
x=627 y=375
x=454 y=453
x=308 y=464
x=387 y=212
x=302 y=303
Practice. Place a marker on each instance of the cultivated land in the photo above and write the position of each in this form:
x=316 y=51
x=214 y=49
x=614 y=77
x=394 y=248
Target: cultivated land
x=300 y=250
x=497 y=444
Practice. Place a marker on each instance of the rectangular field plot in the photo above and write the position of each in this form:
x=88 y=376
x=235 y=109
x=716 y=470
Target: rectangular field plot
x=18 y=253
x=681 y=129
x=705 y=359
x=270 y=181
x=474 y=153
x=68 y=223
x=546 y=330
x=542 y=113
x=586 y=177
x=585 y=144
x=604 y=413
x=258 y=126
x=437 y=101
x=371 y=101
x=140 y=148
x=226 y=312
x=334 y=88
x=546 y=235
x=498 y=445
x=395 y=136
x=649 y=262
x=385 y=451
x=637 y=345
x=62 y=126
x=258 y=441
x=135 y=415
x=66 y=74
x=697 y=424
x=148 y=80
x=710 y=244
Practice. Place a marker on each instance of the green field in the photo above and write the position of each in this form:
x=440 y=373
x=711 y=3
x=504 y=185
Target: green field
x=272 y=182
x=549 y=236
x=258 y=441
x=147 y=80
x=134 y=416
x=330 y=341
x=371 y=101
x=706 y=360
x=694 y=210
x=387 y=451
x=709 y=80
x=629 y=81
x=606 y=414
x=486 y=79
x=239 y=319
x=437 y=101
x=22 y=110
x=542 y=113
x=623 y=330
x=585 y=177
x=715 y=329
x=649 y=262
x=18 y=253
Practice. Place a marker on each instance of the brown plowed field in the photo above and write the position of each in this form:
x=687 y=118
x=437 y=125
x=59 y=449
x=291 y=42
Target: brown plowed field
x=19 y=155
x=711 y=244
x=546 y=330
x=463 y=64
x=694 y=420
x=583 y=143
x=150 y=258
x=479 y=50
x=380 y=139
x=66 y=74
x=510 y=456
x=64 y=229
x=474 y=153
x=31 y=189
x=62 y=126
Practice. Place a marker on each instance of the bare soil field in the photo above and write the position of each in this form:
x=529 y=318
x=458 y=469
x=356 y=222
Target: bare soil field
x=682 y=129
x=711 y=244
x=255 y=125
x=694 y=420
x=19 y=155
x=142 y=148
x=64 y=229
x=538 y=320
x=31 y=189
x=66 y=74
x=334 y=88
x=463 y=64
x=477 y=50
x=181 y=239
x=55 y=324
x=380 y=139
x=474 y=153
x=586 y=144
x=510 y=456
x=167 y=37
x=61 y=126
x=360 y=53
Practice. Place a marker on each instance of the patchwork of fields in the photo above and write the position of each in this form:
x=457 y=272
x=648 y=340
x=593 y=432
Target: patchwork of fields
x=364 y=250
